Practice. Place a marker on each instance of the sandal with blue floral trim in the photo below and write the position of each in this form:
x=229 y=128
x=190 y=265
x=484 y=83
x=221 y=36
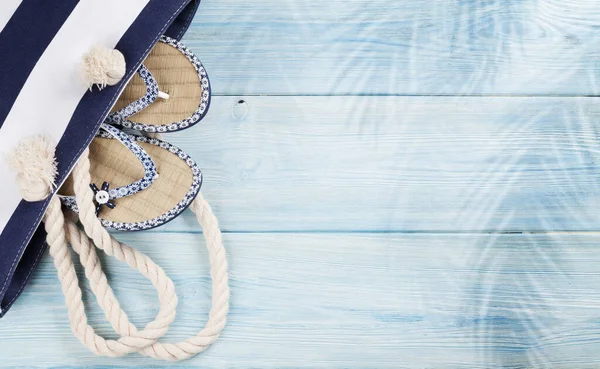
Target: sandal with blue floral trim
x=171 y=91
x=139 y=182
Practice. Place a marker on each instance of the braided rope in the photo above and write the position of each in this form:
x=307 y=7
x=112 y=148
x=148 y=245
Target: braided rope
x=54 y=224
x=60 y=230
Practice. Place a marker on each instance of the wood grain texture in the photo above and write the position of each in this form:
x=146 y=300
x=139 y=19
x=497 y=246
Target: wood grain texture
x=367 y=231
x=339 y=47
x=348 y=300
x=398 y=163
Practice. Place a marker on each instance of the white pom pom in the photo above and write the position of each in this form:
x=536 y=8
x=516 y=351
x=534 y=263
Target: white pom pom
x=102 y=66
x=33 y=160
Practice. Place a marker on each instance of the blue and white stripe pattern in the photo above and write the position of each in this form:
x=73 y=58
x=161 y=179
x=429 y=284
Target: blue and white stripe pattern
x=42 y=43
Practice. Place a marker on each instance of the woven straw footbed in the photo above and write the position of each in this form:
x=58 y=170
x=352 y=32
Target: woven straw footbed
x=175 y=75
x=112 y=162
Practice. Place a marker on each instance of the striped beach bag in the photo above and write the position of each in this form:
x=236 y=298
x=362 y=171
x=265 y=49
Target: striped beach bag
x=86 y=89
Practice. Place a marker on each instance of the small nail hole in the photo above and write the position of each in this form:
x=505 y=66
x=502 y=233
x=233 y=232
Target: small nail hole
x=240 y=110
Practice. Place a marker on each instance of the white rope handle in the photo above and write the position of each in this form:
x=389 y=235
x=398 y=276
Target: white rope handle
x=105 y=296
x=34 y=162
x=54 y=224
x=213 y=327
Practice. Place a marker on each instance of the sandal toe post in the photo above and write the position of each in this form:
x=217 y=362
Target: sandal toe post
x=171 y=91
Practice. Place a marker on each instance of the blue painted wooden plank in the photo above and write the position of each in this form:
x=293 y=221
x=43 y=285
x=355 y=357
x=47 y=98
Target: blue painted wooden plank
x=349 y=300
x=399 y=47
x=398 y=163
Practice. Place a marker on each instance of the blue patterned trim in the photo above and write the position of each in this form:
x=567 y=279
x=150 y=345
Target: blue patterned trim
x=141 y=103
x=179 y=208
x=184 y=123
x=150 y=172
x=169 y=215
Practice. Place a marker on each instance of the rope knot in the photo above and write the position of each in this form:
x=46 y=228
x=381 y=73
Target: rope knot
x=102 y=67
x=33 y=160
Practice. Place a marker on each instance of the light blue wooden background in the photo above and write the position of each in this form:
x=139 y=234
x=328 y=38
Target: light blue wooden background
x=408 y=184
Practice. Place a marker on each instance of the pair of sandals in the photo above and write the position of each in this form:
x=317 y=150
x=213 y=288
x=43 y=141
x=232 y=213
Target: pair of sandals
x=142 y=182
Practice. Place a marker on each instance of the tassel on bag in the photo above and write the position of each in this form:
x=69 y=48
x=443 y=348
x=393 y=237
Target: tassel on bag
x=102 y=67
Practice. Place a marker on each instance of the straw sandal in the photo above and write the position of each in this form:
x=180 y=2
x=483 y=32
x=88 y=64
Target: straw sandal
x=130 y=194
x=174 y=76
x=41 y=154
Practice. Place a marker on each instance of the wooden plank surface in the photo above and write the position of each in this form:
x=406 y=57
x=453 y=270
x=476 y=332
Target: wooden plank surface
x=362 y=228
x=348 y=300
x=399 y=163
x=339 y=47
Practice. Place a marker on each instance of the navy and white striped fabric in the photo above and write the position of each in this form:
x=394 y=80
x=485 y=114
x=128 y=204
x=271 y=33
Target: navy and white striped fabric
x=42 y=42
